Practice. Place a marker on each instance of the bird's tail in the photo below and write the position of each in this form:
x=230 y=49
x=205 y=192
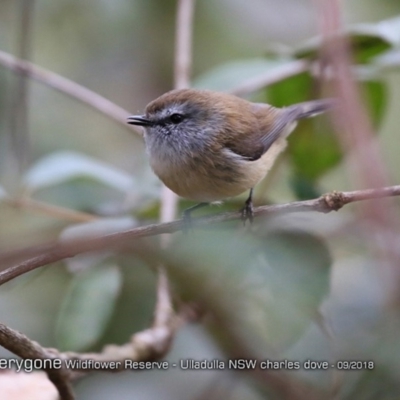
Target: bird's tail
x=312 y=108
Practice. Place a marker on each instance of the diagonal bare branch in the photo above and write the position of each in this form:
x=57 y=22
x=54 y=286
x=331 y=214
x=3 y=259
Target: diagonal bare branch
x=26 y=348
x=68 y=87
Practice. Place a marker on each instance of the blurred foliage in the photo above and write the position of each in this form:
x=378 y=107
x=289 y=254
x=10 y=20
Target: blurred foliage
x=366 y=40
x=268 y=287
x=225 y=77
x=87 y=307
x=315 y=139
x=263 y=287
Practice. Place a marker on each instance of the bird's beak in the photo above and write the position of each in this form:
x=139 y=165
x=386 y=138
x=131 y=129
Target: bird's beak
x=139 y=120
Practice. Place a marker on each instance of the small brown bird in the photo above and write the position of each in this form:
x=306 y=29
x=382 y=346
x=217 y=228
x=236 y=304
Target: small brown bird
x=207 y=146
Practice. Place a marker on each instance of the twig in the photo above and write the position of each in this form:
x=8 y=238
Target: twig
x=148 y=345
x=43 y=255
x=19 y=112
x=164 y=310
x=68 y=87
x=183 y=43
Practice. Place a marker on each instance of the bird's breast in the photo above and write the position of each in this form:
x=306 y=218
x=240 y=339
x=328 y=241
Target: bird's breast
x=211 y=176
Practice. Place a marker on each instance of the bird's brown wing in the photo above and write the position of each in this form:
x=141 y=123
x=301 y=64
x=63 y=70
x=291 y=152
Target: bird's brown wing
x=261 y=132
x=282 y=119
x=269 y=123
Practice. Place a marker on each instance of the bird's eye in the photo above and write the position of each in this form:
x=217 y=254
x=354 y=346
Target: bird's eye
x=176 y=118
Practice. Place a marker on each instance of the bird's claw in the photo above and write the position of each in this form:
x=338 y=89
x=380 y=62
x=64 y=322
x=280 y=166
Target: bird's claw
x=248 y=212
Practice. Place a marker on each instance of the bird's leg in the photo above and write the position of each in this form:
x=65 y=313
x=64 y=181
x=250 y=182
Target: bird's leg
x=187 y=218
x=247 y=210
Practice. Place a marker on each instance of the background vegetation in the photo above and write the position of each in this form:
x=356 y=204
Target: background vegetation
x=259 y=290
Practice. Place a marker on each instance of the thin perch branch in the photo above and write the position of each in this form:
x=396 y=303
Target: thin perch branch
x=68 y=87
x=154 y=343
x=43 y=255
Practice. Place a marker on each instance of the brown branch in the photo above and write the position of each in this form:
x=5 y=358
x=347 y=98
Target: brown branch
x=68 y=87
x=164 y=311
x=149 y=345
x=153 y=343
x=47 y=254
x=183 y=43
x=26 y=348
x=20 y=93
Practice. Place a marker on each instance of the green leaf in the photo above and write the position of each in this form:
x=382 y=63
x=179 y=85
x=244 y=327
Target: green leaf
x=65 y=166
x=314 y=147
x=375 y=95
x=298 y=280
x=304 y=188
x=265 y=288
x=227 y=76
x=299 y=263
x=367 y=40
x=366 y=47
x=294 y=89
x=87 y=307
x=387 y=30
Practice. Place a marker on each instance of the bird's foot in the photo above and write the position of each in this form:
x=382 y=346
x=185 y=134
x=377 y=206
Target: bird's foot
x=248 y=211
